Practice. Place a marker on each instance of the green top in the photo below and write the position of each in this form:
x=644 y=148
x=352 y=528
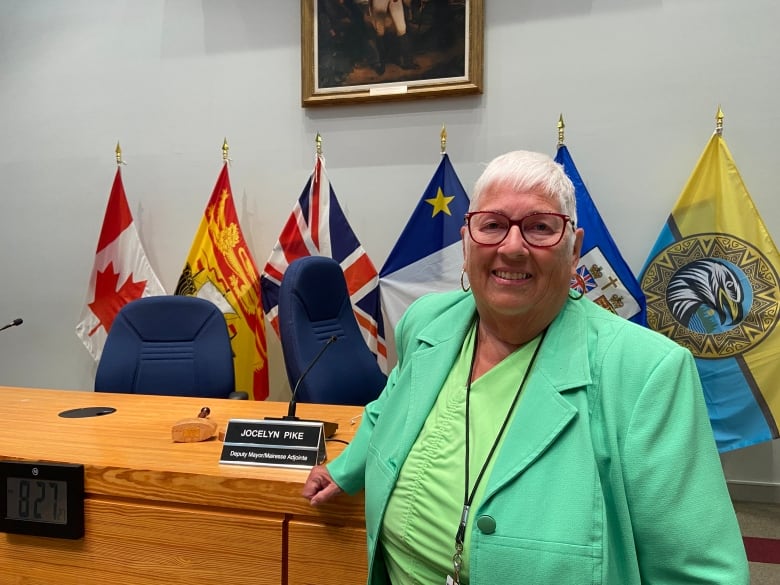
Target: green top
x=606 y=466
x=423 y=512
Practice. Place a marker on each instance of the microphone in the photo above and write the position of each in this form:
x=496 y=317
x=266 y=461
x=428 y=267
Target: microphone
x=293 y=405
x=330 y=427
x=15 y=323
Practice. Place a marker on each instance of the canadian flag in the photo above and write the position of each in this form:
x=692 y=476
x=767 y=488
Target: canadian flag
x=121 y=272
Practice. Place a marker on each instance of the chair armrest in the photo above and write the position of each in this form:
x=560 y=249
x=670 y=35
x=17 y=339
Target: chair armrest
x=238 y=396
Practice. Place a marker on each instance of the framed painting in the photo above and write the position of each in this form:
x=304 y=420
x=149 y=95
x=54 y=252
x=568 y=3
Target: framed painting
x=379 y=50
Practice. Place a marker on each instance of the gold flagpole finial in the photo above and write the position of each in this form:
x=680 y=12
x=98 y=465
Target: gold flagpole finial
x=443 y=139
x=561 y=126
x=318 y=144
x=118 y=152
x=225 y=150
x=719 y=122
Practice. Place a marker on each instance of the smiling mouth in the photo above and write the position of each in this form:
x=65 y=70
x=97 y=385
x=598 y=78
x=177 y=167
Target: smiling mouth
x=512 y=275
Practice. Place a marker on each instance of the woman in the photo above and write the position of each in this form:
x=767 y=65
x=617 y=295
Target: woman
x=530 y=436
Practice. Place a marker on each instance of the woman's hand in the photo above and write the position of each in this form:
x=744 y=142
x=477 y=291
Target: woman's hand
x=319 y=486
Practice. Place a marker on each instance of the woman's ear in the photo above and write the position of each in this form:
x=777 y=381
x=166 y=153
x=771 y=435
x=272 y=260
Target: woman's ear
x=579 y=235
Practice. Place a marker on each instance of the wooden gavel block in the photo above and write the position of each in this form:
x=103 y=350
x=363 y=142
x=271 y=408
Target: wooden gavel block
x=193 y=430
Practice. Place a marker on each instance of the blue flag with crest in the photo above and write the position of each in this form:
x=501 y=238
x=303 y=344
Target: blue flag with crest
x=602 y=274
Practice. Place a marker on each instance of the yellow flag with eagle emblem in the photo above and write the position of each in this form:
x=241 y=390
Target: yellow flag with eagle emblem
x=711 y=283
x=220 y=268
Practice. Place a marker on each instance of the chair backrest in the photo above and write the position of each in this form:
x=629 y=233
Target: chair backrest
x=170 y=344
x=314 y=306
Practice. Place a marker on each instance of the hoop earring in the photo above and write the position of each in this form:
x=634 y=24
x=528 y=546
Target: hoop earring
x=462 y=285
x=575 y=296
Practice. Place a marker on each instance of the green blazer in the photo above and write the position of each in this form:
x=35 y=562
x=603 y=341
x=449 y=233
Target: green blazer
x=608 y=474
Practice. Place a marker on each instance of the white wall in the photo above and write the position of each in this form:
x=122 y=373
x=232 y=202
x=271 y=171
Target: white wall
x=638 y=82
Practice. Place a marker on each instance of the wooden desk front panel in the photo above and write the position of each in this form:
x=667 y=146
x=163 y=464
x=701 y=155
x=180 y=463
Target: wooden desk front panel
x=159 y=512
x=325 y=554
x=132 y=543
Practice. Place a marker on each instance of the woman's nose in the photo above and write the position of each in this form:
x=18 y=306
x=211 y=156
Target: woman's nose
x=514 y=241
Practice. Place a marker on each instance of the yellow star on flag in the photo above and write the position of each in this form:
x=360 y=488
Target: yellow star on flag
x=440 y=203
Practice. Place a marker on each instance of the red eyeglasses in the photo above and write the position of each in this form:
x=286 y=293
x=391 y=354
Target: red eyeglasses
x=540 y=230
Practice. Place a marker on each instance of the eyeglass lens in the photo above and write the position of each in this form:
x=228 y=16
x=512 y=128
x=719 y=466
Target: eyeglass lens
x=538 y=229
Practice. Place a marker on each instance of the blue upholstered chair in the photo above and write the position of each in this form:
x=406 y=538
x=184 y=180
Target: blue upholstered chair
x=172 y=345
x=314 y=306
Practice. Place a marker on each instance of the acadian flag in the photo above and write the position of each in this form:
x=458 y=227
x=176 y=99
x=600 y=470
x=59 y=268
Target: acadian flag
x=428 y=256
x=602 y=274
x=317 y=227
x=121 y=272
x=712 y=285
x=220 y=268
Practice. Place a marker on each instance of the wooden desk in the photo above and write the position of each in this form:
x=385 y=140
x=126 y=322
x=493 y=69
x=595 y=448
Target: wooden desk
x=160 y=512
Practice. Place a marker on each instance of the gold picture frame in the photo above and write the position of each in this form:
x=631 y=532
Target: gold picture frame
x=367 y=50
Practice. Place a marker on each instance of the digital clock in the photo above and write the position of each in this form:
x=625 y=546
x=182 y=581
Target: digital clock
x=42 y=499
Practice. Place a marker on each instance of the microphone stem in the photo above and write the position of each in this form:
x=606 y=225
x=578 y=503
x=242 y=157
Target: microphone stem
x=291 y=408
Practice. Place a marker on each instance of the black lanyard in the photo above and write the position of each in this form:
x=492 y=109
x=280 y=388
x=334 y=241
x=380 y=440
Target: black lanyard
x=468 y=498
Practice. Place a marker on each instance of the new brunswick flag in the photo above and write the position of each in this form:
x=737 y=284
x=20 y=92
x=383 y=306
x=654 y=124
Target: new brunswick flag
x=220 y=268
x=711 y=283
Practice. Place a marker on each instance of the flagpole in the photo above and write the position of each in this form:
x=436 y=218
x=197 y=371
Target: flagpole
x=719 y=122
x=118 y=153
x=318 y=144
x=561 y=126
x=225 y=151
x=443 y=139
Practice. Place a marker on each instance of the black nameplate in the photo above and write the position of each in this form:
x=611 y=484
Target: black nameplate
x=278 y=443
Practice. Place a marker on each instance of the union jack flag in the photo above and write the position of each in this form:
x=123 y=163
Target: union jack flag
x=318 y=227
x=583 y=282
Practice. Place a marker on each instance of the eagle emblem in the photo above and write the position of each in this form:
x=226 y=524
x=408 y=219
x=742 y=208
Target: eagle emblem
x=713 y=293
x=703 y=291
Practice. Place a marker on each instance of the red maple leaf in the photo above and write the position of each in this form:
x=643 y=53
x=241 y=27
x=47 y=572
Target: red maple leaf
x=108 y=300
